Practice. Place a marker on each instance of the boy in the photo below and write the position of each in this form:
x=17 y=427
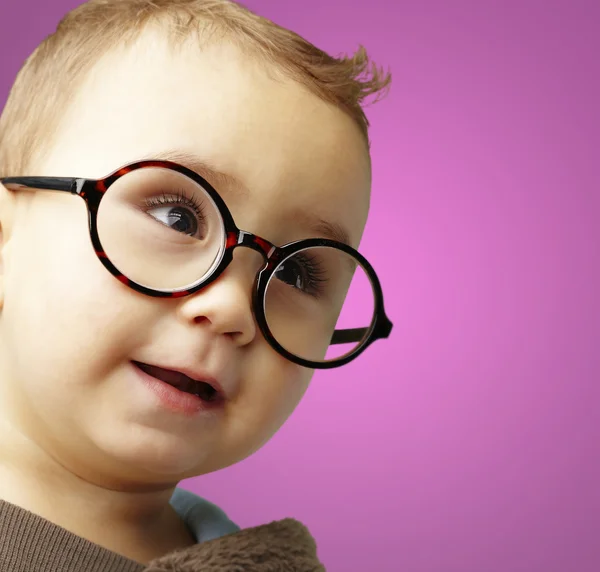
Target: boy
x=208 y=120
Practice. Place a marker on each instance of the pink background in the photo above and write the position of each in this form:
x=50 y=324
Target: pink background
x=468 y=441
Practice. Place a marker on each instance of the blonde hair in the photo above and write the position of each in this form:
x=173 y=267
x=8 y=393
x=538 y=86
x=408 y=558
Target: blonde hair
x=49 y=78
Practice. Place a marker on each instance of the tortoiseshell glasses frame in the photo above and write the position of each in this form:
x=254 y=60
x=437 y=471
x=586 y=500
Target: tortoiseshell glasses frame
x=93 y=190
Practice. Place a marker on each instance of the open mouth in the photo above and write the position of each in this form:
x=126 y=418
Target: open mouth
x=201 y=389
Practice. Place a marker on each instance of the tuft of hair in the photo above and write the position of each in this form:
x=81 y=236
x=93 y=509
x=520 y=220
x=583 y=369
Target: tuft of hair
x=49 y=79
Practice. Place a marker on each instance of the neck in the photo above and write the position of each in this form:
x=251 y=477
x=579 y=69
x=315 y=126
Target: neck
x=132 y=521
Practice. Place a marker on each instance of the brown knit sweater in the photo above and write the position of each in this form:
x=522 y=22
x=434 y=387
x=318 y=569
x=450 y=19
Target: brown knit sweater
x=30 y=543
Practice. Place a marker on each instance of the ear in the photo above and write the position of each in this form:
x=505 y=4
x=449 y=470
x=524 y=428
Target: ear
x=1 y=272
x=7 y=213
x=3 y=191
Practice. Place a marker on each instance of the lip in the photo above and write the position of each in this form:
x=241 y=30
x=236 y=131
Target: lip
x=194 y=374
x=179 y=401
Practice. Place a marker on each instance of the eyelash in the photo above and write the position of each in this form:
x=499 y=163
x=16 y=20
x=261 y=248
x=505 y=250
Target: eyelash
x=315 y=275
x=180 y=197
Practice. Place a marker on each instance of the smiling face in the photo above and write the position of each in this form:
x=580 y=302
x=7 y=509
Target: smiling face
x=283 y=161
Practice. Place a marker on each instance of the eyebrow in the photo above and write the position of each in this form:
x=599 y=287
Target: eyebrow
x=200 y=166
x=330 y=230
x=319 y=226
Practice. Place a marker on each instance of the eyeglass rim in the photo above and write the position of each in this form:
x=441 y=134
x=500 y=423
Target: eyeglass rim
x=93 y=190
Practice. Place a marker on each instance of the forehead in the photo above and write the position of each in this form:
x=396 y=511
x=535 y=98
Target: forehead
x=288 y=155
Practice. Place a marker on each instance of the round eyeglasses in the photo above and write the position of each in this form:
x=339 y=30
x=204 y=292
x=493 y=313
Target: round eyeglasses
x=164 y=231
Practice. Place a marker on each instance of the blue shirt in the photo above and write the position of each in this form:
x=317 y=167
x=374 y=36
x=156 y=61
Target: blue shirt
x=205 y=520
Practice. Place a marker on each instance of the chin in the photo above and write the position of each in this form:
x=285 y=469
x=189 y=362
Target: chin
x=149 y=462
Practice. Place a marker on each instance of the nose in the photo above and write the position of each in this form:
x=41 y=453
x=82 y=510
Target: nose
x=225 y=306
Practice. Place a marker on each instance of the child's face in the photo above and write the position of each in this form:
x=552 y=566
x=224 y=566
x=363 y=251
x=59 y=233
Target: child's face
x=69 y=330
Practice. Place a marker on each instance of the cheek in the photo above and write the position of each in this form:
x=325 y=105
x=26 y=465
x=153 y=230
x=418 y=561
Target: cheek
x=273 y=388
x=61 y=307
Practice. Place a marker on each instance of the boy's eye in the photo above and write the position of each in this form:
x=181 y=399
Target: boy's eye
x=180 y=213
x=291 y=273
x=177 y=218
x=302 y=273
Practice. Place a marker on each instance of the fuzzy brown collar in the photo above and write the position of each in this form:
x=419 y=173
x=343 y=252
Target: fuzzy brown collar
x=281 y=546
x=31 y=543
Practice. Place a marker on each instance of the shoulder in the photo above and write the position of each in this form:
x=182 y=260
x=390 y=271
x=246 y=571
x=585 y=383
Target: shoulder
x=204 y=519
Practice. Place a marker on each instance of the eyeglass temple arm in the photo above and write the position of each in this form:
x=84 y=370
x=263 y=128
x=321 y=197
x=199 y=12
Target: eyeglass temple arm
x=352 y=335
x=348 y=336
x=69 y=185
